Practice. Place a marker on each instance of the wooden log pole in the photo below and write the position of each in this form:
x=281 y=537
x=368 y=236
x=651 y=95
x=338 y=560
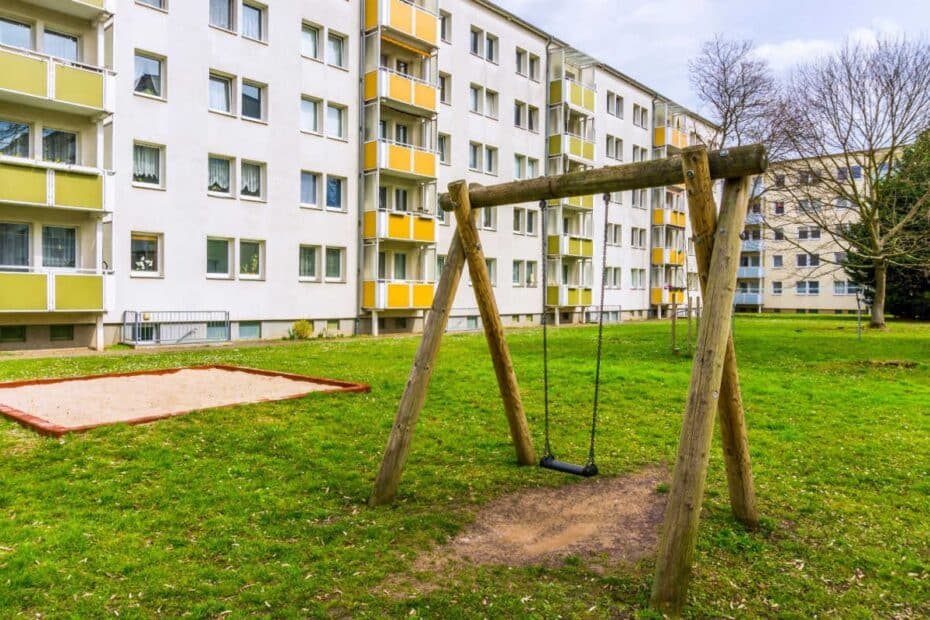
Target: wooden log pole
x=724 y=164
x=493 y=327
x=734 y=437
x=411 y=403
x=678 y=536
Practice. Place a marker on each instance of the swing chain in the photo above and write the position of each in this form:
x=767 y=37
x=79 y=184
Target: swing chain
x=600 y=333
x=547 y=451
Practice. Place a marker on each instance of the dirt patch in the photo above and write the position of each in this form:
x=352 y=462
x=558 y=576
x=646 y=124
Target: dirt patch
x=888 y=364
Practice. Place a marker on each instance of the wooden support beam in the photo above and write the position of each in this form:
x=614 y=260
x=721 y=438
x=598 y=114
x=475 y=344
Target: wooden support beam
x=411 y=403
x=733 y=432
x=678 y=536
x=491 y=319
x=728 y=163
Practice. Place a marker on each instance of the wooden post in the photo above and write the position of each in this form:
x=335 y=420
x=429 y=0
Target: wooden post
x=678 y=536
x=411 y=403
x=493 y=327
x=733 y=432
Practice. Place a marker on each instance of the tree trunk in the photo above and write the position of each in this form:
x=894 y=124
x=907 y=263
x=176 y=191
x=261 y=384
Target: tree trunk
x=878 y=304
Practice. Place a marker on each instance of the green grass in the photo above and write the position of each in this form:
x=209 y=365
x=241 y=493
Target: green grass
x=260 y=509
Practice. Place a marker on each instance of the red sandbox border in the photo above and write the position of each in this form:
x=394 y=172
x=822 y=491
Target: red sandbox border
x=44 y=427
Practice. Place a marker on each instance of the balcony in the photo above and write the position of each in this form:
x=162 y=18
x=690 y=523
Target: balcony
x=664 y=296
x=408 y=93
x=669 y=136
x=567 y=245
x=571 y=145
x=51 y=292
x=403 y=159
x=565 y=296
x=754 y=218
x=665 y=256
x=410 y=21
x=37 y=183
x=752 y=245
x=668 y=217
x=38 y=80
x=577 y=95
x=399 y=226
x=85 y=9
x=575 y=202
x=754 y=273
x=396 y=295
x=747 y=299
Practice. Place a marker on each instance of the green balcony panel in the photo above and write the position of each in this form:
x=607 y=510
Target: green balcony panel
x=78 y=190
x=23 y=292
x=23 y=74
x=79 y=86
x=78 y=292
x=23 y=184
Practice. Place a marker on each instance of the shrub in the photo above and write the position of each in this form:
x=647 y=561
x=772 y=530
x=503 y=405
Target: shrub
x=302 y=330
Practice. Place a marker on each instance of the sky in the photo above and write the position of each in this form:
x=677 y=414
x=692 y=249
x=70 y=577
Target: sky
x=652 y=40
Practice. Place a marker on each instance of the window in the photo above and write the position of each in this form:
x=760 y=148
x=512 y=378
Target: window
x=490 y=160
x=14 y=246
x=220 y=93
x=221 y=14
x=13 y=333
x=15 y=139
x=59 y=146
x=219 y=175
x=250 y=259
x=475 y=40
x=640 y=116
x=532 y=118
x=218 y=257
x=15 y=34
x=779 y=180
x=809 y=232
x=400 y=266
x=779 y=208
x=309 y=188
x=335 y=187
x=839 y=257
x=445 y=88
x=60 y=45
x=779 y=234
x=490 y=48
x=252 y=180
x=474 y=156
x=336 y=50
x=808 y=260
x=59 y=247
x=310 y=41
x=250 y=330
x=614 y=104
x=475 y=98
x=335 y=121
x=776 y=288
x=253 y=18
x=532 y=168
x=489 y=218
x=615 y=148
x=401 y=199
x=778 y=261
x=491 y=264
x=519 y=113
x=518 y=271
x=145 y=253
x=808 y=287
x=530 y=222
x=522 y=62
x=518 y=217
x=252 y=101
x=444 y=151
x=309 y=256
x=491 y=100
x=146 y=164
x=310 y=114
x=530 y=279
x=60 y=333
x=334 y=261
x=519 y=167
x=148 y=76
x=445 y=27
x=534 y=67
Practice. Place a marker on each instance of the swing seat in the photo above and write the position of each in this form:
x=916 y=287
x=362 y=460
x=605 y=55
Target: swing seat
x=586 y=471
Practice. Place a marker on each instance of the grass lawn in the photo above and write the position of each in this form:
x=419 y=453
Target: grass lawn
x=260 y=509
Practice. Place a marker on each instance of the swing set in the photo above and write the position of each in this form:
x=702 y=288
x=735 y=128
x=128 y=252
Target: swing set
x=714 y=386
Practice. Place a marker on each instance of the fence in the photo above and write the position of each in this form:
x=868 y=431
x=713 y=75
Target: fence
x=175 y=327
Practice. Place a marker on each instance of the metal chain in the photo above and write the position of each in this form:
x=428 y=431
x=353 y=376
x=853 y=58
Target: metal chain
x=600 y=334
x=545 y=288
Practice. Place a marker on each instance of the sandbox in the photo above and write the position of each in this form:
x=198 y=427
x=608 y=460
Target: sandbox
x=58 y=406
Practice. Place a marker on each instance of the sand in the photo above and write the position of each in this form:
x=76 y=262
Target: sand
x=106 y=400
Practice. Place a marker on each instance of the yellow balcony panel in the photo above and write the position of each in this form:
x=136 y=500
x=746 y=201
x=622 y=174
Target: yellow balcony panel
x=679 y=219
x=554 y=245
x=23 y=74
x=398 y=295
x=398 y=226
x=656 y=296
x=565 y=296
x=78 y=293
x=85 y=9
x=368 y=293
x=552 y=296
x=370 y=155
x=81 y=191
x=423 y=295
x=577 y=95
x=425 y=96
x=658 y=256
x=670 y=136
x=25 y=79
x=402 y=159
x=424 y=229
x=23 y=184
x=424 y=163
x=413 y=22
x=23 y=292
x=28 y=184
x=668 y=217
x=79 y=86
x=370 y=225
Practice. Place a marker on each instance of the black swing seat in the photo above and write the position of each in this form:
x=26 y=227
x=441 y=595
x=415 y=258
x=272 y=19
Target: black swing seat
x=586 y=471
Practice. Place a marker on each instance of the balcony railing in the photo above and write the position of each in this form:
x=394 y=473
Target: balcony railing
x=747 y=299
x=85 y=9
x=668 y=217
x=50 y=291
x=750 y=272
x=582 y=96
x=572 y=145
x=575 y=202
x=666 y=256
x=38 y=183
x=569 y=295
x=752 y=245
x=406 y=90
x=662 y=296
x=397 y=295
x=399 y=226
x=44 y=81
x=405 y=18
x=669 y=136
x=404 y=159
x=570 y=245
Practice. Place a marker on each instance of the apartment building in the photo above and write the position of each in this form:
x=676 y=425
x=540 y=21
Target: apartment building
x=218 y=169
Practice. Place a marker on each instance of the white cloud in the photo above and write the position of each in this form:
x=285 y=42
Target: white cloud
x=786 y=54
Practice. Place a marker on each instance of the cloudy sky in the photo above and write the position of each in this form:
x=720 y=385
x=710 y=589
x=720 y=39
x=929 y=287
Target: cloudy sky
x=652 y=40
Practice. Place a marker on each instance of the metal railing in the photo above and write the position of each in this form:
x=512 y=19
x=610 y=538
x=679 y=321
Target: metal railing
x=175 y=327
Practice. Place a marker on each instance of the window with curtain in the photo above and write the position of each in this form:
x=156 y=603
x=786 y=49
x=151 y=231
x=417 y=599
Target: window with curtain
x=218 y=175
x=308 y=260
x=15 y=138
x=310 y=115
x=218 y=257
x=146 y=164
x=251 y=180
x=148 y=75
x=334 y=193
x=252 y=21
x=251 y=101
x=14 y=247
x=250 y=258
x=400 y=266
x=309 y=188
x=335 y=50
x=59 y=146
x=16 y=34
x=60 y=45
x=143 y=253
x=401 y=134
x=334 y=121
x=220 y=93
x=221 y=14
x=334 y=263
x=400 y=199
x=310 y=41
x=59 y=247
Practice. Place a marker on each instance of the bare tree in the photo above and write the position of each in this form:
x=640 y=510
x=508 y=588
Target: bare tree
x=853 y=112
